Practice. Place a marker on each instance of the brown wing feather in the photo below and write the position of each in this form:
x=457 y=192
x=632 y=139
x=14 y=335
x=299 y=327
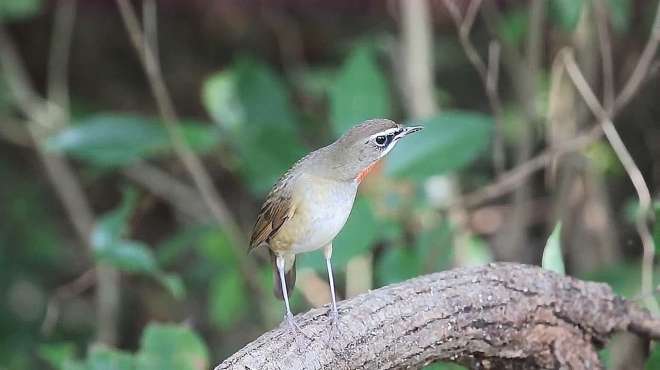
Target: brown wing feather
x=275 y=211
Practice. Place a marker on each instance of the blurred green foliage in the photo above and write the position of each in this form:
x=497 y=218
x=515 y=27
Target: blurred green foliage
x=255 y=117
x=162 y=347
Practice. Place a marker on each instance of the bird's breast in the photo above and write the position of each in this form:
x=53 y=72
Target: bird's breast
x=323 y=208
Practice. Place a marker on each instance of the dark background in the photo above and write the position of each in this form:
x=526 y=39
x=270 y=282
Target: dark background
x=110 y=255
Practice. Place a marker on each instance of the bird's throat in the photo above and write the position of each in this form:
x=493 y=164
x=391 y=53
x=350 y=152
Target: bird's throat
x=366 y=171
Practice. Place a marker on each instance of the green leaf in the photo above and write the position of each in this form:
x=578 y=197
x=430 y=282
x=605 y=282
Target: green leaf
x=653 y=362
x=477 y=252
x=434 y=247
x=552 y=256
x=173 y=284
x=171 y=347
x=111 y=226
x=397 y=264
x=358 y=235
x=360 y=92
x=448 y=142
x=252 y=103
x=227 y=300
x=566 y=13
x=116 y=140
x=57 y=355
x=104 y=358
x=220 y=98
x=443 y=366
x=128 y=255
x=11 y=10
x=619 y=13
x=513 y=26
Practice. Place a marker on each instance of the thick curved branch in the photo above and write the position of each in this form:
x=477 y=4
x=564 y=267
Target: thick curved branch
x=495 y=316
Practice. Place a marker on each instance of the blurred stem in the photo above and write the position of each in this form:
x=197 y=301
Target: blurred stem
x=488 y=73
x=44 y=116
x=634 y=173
x=417 y=46
x=514 y=177
x=191 y=162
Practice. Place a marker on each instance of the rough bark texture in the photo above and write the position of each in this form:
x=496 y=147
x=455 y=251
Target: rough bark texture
x=500 y=316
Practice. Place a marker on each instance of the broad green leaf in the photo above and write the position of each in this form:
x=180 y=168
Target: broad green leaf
x=448 y=142
x=360 y=92
x=128 y=255
x=111 y=226
x=477 y=252
x=434 y=248
x=173 y=284
x=104 y=358
x=227 y=299
x=252 y=103
x=19 y=9
x=57 y=355
x=653 y=362
x=171 y=347
x=566 y=13
x=358 y=235
x=397 y=264
x=171 y=250
x=552 y=256
x=619 y=13
x=215 y=247
x=267 y=153
x=116 y=140
x=221 y=100
x=513 y=26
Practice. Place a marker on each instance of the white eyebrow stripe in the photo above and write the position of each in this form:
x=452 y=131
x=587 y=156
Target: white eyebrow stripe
x=385 y=133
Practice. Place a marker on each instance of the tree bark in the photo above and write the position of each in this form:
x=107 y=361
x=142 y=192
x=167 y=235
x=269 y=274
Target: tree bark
x=499 y=316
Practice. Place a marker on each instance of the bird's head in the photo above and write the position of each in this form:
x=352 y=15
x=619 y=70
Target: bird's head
x=364 y=144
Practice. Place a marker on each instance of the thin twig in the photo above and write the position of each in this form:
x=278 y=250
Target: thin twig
x=58 y=71
x=191 y=162
x=43 y=117
x=512 y=178
x=606 y=54
x=488 y=73
x=182 y=196
x=643 y=64
x=635 y=175
x=65 y=292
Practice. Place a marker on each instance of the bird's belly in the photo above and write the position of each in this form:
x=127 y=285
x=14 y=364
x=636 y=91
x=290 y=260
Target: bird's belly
x=325 y=210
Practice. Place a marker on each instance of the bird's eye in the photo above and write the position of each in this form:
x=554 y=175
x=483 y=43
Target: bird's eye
x=381 y=140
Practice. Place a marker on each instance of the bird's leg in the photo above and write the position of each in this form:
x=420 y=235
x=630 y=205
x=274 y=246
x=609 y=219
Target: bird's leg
x=327 y=251
x=288 y=316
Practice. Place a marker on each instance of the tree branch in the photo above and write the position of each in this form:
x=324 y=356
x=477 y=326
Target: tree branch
x=495 y=316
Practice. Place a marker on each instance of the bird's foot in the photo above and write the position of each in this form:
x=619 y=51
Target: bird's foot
x=333 y=331
x=293 y=326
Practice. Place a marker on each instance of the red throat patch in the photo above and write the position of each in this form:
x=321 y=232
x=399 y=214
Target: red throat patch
x=366 y=171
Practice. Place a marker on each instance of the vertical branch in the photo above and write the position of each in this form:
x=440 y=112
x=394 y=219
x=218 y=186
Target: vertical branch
x=61 y=175
x=643 y=65
x=488 y=73
x=635 y=175
x=605 y=46
x=417 y=41
x=60 y=46
x=191 y=162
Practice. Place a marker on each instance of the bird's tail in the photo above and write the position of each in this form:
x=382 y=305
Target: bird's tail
x=289 y=274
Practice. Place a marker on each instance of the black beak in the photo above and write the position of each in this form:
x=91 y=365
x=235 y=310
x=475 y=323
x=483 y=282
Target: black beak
x=409 y=130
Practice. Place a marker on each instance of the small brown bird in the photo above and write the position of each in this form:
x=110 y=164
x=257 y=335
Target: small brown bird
x=310 y=203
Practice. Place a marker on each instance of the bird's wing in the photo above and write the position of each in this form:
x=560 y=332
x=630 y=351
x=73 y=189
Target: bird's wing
x=277 y=208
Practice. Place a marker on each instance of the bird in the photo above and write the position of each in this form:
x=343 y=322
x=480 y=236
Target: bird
x=311 y=202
